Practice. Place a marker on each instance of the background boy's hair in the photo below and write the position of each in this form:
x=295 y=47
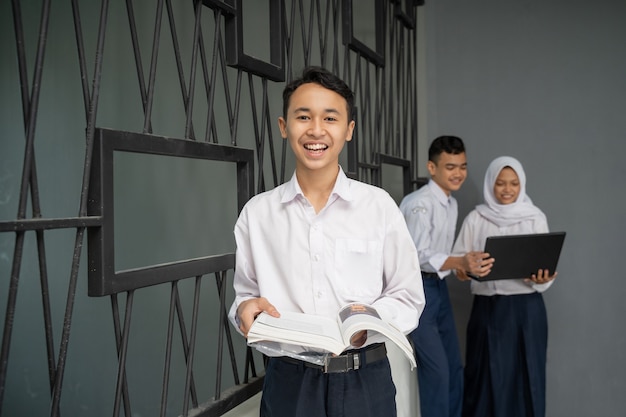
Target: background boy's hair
x=448 y=144
x=326 y=79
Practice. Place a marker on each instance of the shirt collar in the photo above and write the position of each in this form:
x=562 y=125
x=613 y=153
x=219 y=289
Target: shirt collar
x=441 y=196
x=341 y=189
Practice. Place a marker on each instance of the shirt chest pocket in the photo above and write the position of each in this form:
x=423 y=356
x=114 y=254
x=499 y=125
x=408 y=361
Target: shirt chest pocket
x=359 y=268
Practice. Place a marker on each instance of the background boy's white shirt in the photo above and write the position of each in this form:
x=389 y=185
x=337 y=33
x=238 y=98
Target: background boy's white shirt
x=425 y=210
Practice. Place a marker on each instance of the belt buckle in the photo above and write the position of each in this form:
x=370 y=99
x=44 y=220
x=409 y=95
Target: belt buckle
x=342 y=363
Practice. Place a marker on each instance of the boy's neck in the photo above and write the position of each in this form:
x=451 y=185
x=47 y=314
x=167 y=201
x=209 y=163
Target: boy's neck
x=447 y=193
x=317 y=185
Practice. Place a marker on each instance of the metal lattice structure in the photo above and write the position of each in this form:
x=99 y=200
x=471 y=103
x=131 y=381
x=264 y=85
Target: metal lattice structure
x=201 y=47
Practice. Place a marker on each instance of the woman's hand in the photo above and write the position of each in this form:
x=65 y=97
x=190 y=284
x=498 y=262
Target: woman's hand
x=541 y=277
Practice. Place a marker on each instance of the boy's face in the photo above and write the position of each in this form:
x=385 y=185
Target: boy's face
x=317 y=126
x=449 y=172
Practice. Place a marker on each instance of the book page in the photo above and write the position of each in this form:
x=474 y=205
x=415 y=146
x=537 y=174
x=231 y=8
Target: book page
x=356 y=317
x=298 y=329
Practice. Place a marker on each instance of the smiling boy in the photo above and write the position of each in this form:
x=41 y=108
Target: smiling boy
x=317 y=243
x=431 y=213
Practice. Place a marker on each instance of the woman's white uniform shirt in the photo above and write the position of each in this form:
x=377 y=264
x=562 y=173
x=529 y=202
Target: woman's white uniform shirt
x=494 y=219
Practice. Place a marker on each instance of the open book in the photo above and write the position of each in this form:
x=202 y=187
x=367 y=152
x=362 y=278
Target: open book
x=331 y=335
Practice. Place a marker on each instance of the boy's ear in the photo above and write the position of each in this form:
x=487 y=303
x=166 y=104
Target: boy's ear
x=350 y=130
x=430 y=165
x=282 y=125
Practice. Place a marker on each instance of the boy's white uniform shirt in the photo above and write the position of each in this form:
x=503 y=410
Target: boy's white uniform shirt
x=356 y=249
x=431 y=217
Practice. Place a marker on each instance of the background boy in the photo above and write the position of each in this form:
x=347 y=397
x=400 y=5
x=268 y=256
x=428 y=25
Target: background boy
x=431 y=214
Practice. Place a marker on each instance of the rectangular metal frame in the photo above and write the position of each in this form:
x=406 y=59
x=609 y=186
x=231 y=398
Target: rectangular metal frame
x=235 y=55
x=376 y=57
x=102 y=277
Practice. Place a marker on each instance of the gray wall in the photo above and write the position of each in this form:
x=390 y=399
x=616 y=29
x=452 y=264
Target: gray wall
x=545 y=81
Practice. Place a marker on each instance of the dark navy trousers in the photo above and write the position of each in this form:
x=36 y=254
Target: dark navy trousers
x=439 y=364
x=295 y=390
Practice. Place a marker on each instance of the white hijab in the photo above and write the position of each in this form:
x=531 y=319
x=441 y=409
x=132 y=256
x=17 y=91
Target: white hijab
x=506 y=214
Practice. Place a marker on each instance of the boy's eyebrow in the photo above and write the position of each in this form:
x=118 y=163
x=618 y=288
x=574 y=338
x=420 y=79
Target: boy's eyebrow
x=451 y=165
x=307 y=109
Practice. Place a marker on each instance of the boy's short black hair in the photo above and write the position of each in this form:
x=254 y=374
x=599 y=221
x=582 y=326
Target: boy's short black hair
x=448 y=144
x=326 y=79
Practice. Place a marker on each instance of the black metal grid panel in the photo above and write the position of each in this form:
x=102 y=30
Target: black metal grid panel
x=103 y=278
x=203 y=41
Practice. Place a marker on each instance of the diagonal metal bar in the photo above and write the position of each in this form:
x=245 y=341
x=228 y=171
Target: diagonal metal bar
x=189 y=380
x=266 y=124
x=122 y=355
x=220 y=339
x=168 y=349
x=288 y=37
x=187 y=351
x=258 y=143
x=335 y=65
x=233 y=122
x=231 y=112
x=10 y=312
x=156 y=38
x=224 y=329
x=210 y=80
x=117 y=328
x=82 y=61
x=322 y=31
x=306 y=37
x=176 y=310
x=194 y=60
x=179 y=63
x=130 y=11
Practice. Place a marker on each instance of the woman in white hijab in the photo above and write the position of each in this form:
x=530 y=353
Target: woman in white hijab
x=507 y=333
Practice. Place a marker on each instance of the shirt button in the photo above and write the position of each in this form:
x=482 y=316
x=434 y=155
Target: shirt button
x=316 y=257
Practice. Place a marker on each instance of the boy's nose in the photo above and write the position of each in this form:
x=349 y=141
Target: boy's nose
x=315 y=129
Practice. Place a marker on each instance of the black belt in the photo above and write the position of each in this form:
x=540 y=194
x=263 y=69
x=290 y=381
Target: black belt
x=430 y=275
x=351 y=360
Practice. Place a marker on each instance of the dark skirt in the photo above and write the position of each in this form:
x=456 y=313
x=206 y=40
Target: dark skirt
x=505 y=370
